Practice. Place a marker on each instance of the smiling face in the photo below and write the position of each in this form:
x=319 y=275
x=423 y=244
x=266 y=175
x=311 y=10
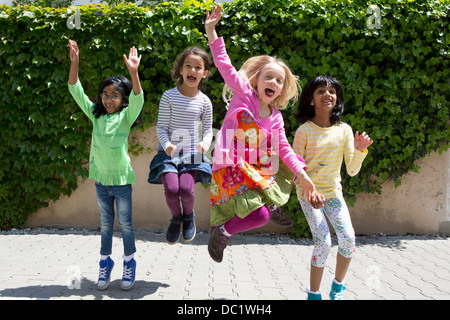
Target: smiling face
x=270 y=82
x=192 y=71
x=324 y=98
x=111 y=98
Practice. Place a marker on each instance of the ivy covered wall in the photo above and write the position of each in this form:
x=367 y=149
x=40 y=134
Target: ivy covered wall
x=391 y=58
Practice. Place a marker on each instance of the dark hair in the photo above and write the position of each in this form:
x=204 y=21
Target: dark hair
x=178 y=64
x=124 y=86
x=306 y=111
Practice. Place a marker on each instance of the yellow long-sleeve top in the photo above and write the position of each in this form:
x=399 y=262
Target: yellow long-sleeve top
x=323 y=150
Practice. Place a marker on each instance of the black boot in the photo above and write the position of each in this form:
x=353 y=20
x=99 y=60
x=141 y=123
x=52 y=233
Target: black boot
x=173 y=233
x=189 y=228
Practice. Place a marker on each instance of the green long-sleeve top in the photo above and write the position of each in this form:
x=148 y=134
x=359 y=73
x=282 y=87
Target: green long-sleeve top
x=109 y=162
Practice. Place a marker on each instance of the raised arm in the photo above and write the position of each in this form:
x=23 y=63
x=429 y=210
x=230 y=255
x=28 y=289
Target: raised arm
x=211 y=21
x=132 y=63
x=221 y=59
x=75 y=60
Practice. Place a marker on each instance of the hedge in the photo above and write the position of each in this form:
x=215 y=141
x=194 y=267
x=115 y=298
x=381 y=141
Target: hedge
x=395 y=80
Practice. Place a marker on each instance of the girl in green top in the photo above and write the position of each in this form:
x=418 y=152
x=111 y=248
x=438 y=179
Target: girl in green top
x=118 y=106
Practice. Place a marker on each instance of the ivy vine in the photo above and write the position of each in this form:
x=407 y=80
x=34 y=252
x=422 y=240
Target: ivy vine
x=395 y=80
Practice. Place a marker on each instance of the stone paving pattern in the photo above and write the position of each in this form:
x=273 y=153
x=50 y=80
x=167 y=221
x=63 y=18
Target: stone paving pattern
x=63 y=264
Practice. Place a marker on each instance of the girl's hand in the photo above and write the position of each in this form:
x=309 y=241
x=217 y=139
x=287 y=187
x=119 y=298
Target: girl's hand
x=317 y=200
x=202 y=147
x=362 y=142
x=213 y=18
x=132 y=62
x=309 y=189
x=211 y=21
x=74 y=52
x=171 y=150
x=75 y=59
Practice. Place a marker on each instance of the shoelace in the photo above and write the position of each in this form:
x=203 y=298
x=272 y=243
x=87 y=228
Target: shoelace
x=103 y=273
x=338 y=295
x=128 y=273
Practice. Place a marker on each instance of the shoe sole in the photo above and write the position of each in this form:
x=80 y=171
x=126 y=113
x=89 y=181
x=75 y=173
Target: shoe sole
x=174 y=242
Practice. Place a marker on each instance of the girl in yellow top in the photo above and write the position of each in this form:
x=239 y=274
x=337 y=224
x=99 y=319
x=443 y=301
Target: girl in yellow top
x=323 y=141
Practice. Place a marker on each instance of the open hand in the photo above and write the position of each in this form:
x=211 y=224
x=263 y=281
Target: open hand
x=213 y=18
x=133 y=60
x=73 y=50
x=362 y=142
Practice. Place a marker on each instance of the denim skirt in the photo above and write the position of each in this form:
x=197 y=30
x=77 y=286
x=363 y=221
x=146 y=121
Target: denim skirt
x=180 y=163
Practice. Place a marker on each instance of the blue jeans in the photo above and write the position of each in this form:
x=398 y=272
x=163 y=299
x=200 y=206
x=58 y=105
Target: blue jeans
x=105 y=197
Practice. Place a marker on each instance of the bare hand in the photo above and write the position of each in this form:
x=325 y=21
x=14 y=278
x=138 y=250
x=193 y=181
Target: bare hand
x=202 y=147
x=73 y=50
x=317 y=200
x=132 y=62
x=362 y=142
x=213 y=18
x=308 y=187
x=170 y=150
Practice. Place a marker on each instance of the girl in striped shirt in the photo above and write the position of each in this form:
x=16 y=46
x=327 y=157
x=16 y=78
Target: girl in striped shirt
x=323 y=141
x=180 y=161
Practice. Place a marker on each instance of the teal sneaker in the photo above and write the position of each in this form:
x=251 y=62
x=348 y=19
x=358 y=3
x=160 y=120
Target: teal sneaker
x=313 y=295
x=337 y=289
x=129 y=274
x=104 y=276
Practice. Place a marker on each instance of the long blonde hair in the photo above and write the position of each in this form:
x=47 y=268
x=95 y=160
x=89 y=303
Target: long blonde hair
x=250 y=72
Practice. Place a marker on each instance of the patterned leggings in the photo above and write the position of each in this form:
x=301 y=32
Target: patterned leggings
x=337 y=212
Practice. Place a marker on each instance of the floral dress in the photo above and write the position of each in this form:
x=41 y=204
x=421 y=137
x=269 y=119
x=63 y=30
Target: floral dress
x=248 y=185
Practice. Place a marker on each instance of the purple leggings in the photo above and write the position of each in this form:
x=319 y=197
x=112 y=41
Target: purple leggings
x=178 y=187
x=255 y=219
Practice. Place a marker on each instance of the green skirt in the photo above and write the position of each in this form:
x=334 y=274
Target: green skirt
x=235 y=193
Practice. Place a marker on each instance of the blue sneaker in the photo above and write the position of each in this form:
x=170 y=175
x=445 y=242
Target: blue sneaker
x=313 y=295
x=337 y=289
x=129 y=274
x=189 y=228
x=104 y=278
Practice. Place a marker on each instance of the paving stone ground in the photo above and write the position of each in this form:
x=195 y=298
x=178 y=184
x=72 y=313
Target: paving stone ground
x=43 y=264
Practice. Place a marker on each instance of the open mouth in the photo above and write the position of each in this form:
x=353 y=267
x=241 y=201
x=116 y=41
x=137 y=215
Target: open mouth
x=191 y=78
x=110 y=107
x=269 y=92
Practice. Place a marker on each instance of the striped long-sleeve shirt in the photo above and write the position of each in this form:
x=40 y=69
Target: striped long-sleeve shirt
x=323 y=150
x=179 y=119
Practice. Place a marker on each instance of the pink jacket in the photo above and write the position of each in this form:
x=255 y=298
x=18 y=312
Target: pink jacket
x=245 y=99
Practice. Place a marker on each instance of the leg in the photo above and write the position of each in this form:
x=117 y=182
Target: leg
x=105 y=201
x=186 y=190
x=322 y=242
x=338 y=214
x=171 y=191
x=106 y=204
x=220 y=236
x=124 y=216
x=187 y=183
x=253 y=220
